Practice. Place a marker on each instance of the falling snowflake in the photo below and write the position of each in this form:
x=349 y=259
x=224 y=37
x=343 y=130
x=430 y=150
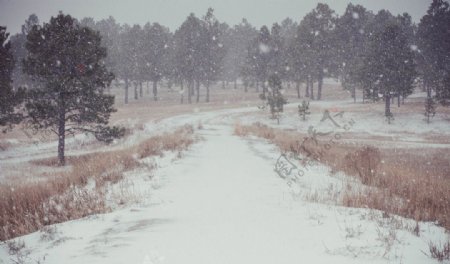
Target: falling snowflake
x=355 y=15
x=413 y=47
x=263 y=48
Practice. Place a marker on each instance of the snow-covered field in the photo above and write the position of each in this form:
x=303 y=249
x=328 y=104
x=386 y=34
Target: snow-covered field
x=222 y=201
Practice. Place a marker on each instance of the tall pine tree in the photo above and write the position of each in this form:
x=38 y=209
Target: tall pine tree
x=9 y=99
x=68 y=62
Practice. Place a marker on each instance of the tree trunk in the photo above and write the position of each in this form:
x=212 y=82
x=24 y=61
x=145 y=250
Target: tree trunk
x=289 y=85
x=354 y=93
x=235 y=84
x=148 y=88
x=387 y=106
x=312 y=88
x=136 y=91
x=297 y=85
x=207 y=91
x=140 y=90
x=223 y=84
x=257 y=86
x=246 y=87
x=189 y=92
x=126 y=91
x=264 y=89
x=197 y=86
x=61 y=131
x=155 y=90
x=319 y=85
x=398 y=100
x=307 y=87
x=182 y=92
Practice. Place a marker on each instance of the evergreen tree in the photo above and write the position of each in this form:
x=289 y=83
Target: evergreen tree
x=155 y=49
x=212 y=51
x=275 y=98
x=317 y=33
x=9 y=99
x=303 y=56
x=351 y=41
x=188 y=53
x=68 y=62
x=236 y=42
x=434 y=46
x=126 y=58
x=390 y=63
x=303 y=109
x=430 y=108
x=259 y=57
x=20 y=52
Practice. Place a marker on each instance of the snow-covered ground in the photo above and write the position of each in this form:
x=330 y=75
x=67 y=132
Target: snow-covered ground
x=222 y=202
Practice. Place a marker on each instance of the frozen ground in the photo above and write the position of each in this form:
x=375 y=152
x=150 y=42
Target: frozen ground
x=223 y=203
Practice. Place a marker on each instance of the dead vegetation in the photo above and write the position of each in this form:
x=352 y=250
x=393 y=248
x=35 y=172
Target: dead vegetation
x=414 y=183
x=27 y=207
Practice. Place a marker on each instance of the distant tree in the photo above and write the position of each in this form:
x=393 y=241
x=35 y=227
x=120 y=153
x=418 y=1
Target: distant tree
x=320 y=24
x=390 y=63
x=276 y=62
x=155 y=52
x=351 y=41
x=287 y=32
x=20 y=52
x=188 y=52
x=9 y=99
x=433 y=40
x=212 y=51
x=258 y=58
x=430 y=108
x=137 y=60
x=110 y=31
x=303 y=56
x=67 y=60
x=275 y=98
x=126 y=58
x=303 y=110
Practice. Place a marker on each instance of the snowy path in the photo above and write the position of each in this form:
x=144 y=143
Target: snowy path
x=222 y=203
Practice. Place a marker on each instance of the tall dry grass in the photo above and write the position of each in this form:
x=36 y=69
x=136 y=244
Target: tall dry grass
x=26 y=207
x=414 y=183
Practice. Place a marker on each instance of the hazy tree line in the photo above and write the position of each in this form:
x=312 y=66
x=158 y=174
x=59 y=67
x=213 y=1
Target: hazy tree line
x=383 y=55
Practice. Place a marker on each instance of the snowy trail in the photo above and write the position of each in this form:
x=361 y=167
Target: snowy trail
x=223 y=203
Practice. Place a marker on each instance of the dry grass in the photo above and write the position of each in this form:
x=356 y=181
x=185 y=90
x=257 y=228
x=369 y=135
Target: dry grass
x=26 y=207
x=414 y=183
x=440 y=252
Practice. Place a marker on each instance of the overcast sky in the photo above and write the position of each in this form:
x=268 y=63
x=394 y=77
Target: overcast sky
x=172 y=13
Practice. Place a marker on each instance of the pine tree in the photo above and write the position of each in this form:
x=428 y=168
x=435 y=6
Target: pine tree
x=9 y=99
x=430 y=108
x=20 y=52
x=275 y=98
x=351 y=40
x=68 y=62
x=389 y=63
x=155 y=52
x=303 y=109
x=434 y=46
x=212 y=51
x=188 y=52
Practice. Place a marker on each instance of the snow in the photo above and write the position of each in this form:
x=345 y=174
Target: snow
x=222 y=202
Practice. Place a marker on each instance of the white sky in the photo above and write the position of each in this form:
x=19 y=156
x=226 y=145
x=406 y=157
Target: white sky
x=172 y=13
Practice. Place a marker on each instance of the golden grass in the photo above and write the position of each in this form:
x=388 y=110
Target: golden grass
x=26 y=207
x=414 y=183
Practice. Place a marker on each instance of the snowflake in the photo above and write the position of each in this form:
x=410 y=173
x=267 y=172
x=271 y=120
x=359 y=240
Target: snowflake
x=263 y=48
x=355 y=15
